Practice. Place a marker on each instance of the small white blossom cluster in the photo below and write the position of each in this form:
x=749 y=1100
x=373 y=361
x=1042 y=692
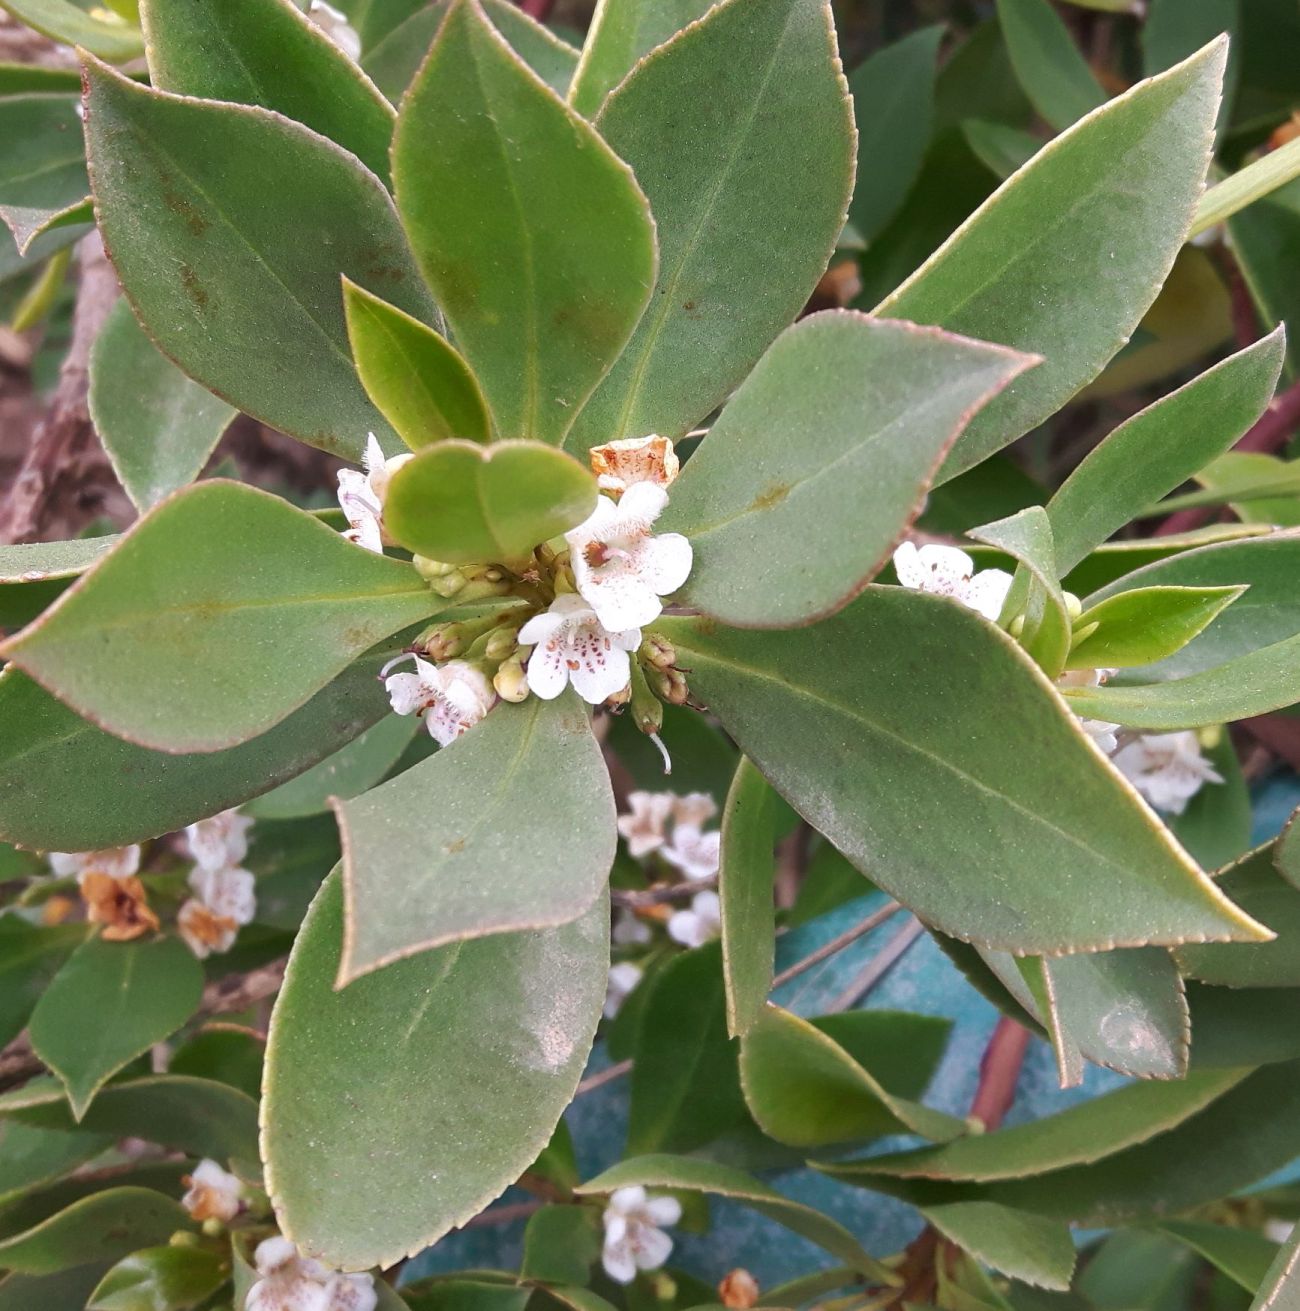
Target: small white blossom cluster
x=361 y=495
x=450 y=698
x=214 y=1193
x=223 y=899
x=293 y=1282
x=634 y=1236
x=1168 y=769
x=114 y=896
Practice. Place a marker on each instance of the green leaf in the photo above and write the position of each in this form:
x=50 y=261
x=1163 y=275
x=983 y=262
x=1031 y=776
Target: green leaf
x=30 y=956
x=1146 y=624
x=1068 y=255
x=1162 y=447
x=689 y=1173
x=157 y=426
x=102 y=1227
x=223 y=1052
x=1175 y=29
x=465 y=503
x=243 y=295
x=509 y=828
x=493 y=1034
x=1243 y=1256
x=183 y=617
x=746 y=872
x=1263 y=236
x=31 y=1156
x=806 y=1090
x=1001 y=149
x=1259 y=488
x=755 y=88
x=1280 y=1290
x=621 y=34
x=416 y=377
x=893 y=103
x=199 y=1117
x=43 y=168
x=65 y=1291
x=267 y=53
x=160 y=1279
x=1015 y=1243
x=541 y=259
x=109 y=1003
x=821 y=460
x=560 y=1245
x=1216 y=825
x=902 y=683
x=100 y=32
x=37 y=561
x=455 y=1294
x=1055 y=76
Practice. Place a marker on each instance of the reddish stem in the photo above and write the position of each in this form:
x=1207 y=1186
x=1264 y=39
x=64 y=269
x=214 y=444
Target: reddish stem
x=1000 y=1072
x=538 y=9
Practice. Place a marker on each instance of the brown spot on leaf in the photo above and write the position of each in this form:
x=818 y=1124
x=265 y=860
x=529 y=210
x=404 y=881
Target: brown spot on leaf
x=772 y=496
x=193 y=288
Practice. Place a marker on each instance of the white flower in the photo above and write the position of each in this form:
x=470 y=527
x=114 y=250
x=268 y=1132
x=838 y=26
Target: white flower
x=1166 y=768
x=619 y=566
x=693 y=852
x=1101 y=731
x=572 y=646
x=451 y=697
x=634 y=1239
x=623 y=977
x=115 y=862
x=642 y=827
x=618 y=465
x=946 y=571
x=629 y=929
x=290 y=1282
x=695 y=808
x=220 y=841
x=214 y=1193
x=701 y=924
x=224 y=900
x=361 y=495
x=335 y=26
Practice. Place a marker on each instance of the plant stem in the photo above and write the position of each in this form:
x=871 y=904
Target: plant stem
x=874 y=920
x=1000 y=1072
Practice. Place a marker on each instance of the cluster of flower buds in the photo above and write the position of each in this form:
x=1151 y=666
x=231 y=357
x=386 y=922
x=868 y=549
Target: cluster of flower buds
x=222 y=897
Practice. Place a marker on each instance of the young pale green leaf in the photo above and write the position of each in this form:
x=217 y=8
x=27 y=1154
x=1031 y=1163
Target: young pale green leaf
x=689 y=1173
x=746 y=871
x=1020 y=1244
x=414 y=375
x=30 y=956
x=542 y=259
x=157 y=426
x=98 y=30
x=893 y=103
x=901 y=683
x=755 y=87
x=1068 y=255
x=1280 y=1290
x=43 y=169
x=510 y=828
x=621 y=34
x=177 y=1278
x=110 y=1002
x=1259 y=488
x=366 y=1149
x=244 y=295
x=1243 y=1256
x=184 y=616
x=1146 y=624
x=102 y=1227
x=267 y=53
x=1048 y=64
x=46 y=744
x=1162 y=447
x=806 y=1090
x=464 y=503
x=821 y=459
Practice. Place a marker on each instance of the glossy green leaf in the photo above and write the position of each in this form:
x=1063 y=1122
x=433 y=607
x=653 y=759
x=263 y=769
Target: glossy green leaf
x=689 y=1173
x=509 y=828
x=43 y=168
x=893 y=103
x=1146 y=624
x=160 y=1279
x=1280 y=1290
x=416 y=377
x=109 y=1003
x=830 y=443
x=1067 y=256
x=157 y=426
x=65 y=1291
x=1243 y=1256
x=267 y=53
x=199 y=1117
x=621 y=34
x=493 y=1034
x=806 y=1090
x=1016 y=1243
x=755 y=88
x=542 y=259
x=561 y=1244
x=243 y=295
x=30 y=956
x=901 y=683
x=1162 y=447
x=746 y=870
x=101 y=1227
x=464 y=503
x=100 y=32
x=37 y=561
x=224 y=1052
x=31 y=1156
x=183 y=616
x=1050 y=67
